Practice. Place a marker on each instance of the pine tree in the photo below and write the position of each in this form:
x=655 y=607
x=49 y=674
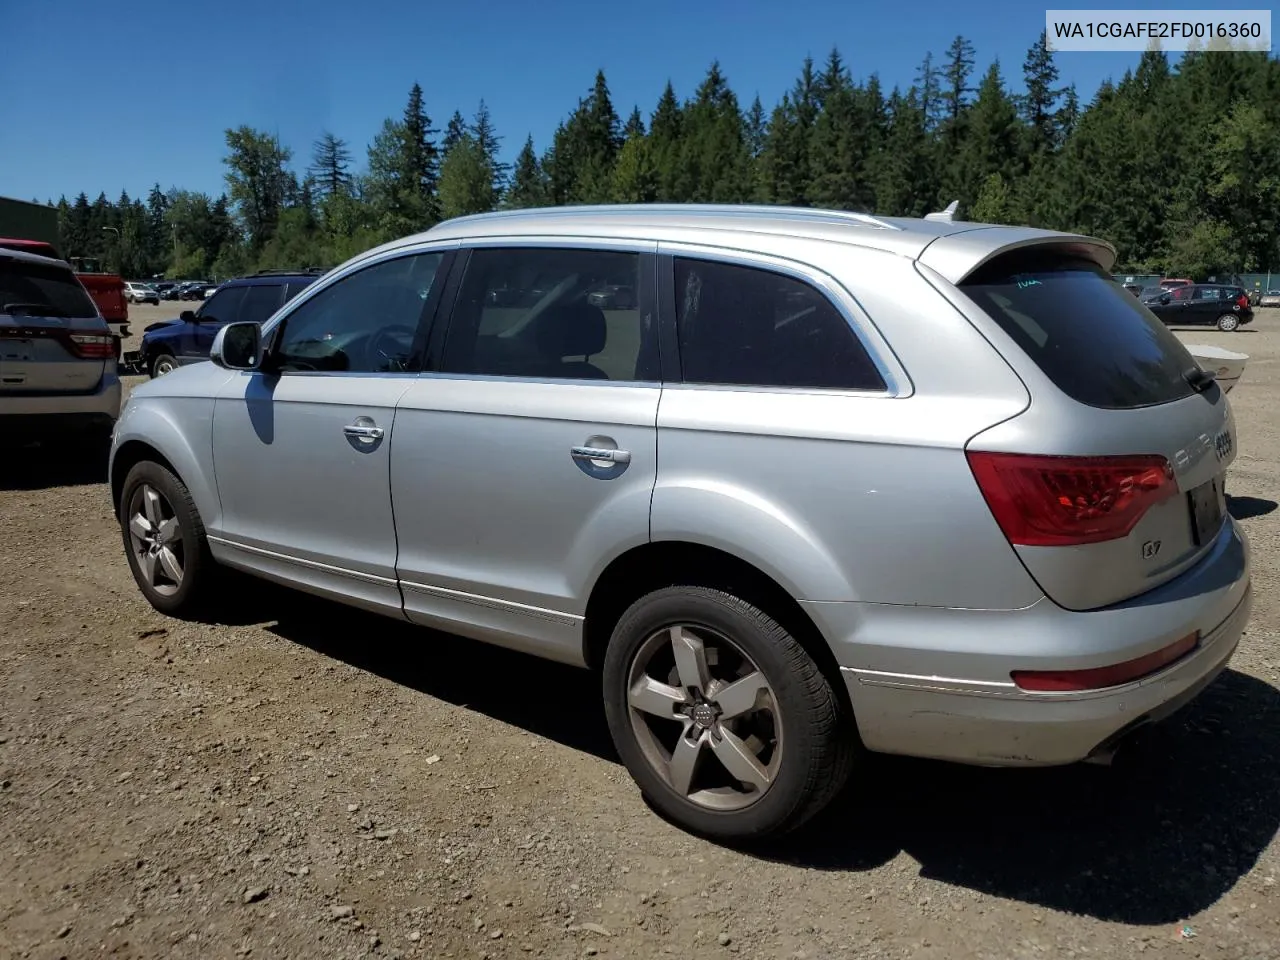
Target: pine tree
x=991 y=139
x=634 y=126
x=928 y=84
x=1039 y=104
x=466 y=180
x=666 y=129
x=487 y=139
x=528 y=182
x=715 y=162
x=331 y=165
x=419 y=161
x=904 y=177
x=453 y=132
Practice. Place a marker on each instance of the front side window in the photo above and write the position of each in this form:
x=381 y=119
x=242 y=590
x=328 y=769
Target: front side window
x=223 y=306
x=552 y=313
x=749 y=326
x=364 y=323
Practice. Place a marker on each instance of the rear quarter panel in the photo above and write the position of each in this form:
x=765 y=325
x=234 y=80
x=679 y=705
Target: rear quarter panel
x=845 y=496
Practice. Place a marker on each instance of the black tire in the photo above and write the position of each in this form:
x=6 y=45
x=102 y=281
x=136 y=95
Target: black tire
x=199 y=569
x=820 y=741
x=162 y=363
x=1228 y=323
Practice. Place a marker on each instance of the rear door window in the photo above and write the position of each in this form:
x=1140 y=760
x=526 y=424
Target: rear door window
x=42 y=290
x=1096 y=343
x=749 y=326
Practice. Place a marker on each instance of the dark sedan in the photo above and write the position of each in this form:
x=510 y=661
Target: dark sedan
x=1201 y=304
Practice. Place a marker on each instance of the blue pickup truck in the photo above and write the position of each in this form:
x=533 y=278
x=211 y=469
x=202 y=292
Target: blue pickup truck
x=170 y=344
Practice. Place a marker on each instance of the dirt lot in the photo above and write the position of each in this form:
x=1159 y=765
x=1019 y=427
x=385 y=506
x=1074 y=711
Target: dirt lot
x=298 y=780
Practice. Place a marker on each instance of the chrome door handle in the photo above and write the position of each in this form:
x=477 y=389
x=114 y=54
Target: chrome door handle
x=364 y=433
x=601 y=453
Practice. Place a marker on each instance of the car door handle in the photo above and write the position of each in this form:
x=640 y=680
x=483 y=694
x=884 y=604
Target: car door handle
x=601 y=453
x=363 y=432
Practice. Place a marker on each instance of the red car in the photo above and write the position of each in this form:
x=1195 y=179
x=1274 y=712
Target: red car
x=1170 y=283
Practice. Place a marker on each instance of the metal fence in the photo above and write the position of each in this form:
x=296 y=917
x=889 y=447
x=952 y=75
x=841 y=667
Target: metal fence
x=1252 y=282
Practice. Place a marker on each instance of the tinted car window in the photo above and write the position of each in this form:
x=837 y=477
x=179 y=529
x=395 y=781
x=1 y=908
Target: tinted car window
x=1208 y=293
x=223 y=306
x=540 y=313
x=364 y=323
x=260 y=302
x=44 y=290
x=743 y=325
x=295 y=287
x=1094 y=341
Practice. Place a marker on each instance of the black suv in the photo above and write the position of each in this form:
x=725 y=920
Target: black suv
x=1221 y=305
x=174 y=343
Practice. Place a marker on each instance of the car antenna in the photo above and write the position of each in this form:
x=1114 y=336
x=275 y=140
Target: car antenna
x=947 y=215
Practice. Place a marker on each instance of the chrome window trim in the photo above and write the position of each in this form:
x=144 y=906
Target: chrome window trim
x=897 y=383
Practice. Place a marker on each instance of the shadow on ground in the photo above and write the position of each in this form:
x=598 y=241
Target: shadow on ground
x=40 y=467
x=1158 y=837
x=1242 y=508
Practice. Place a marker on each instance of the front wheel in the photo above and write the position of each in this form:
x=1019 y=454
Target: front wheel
x=162 y=364
x=723 y=719
x=164 y=540
x=1228 y=322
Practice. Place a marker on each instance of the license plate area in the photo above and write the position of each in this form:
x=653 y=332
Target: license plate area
x=1208 y=507
x=14 y=350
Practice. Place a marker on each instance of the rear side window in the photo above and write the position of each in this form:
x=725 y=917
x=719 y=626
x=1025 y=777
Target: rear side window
x=748 y=326
x=42 y=290
x=1096 y=343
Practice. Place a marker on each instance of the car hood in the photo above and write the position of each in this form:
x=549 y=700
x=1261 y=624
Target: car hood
x=160 y=324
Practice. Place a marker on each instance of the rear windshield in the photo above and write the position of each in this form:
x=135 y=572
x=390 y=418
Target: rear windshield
x=1095 y=341
x=40 y=290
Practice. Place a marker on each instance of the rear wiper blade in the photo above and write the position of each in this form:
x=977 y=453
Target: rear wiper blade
x=1199 y=378
x=38 y=309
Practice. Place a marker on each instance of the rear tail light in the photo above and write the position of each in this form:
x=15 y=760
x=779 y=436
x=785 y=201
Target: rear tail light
x=1243 y=301
x=93 y=346
x=1044 y=501
x=1099 y=678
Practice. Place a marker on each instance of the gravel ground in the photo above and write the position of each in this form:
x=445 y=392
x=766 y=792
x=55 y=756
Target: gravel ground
x=300 y=780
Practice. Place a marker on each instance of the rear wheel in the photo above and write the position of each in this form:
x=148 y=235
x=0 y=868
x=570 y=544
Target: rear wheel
x=723 y=719
x=163 y=363
x=164 y=539
x=1228 y=322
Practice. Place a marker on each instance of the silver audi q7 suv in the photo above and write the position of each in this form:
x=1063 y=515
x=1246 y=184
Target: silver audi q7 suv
x=825 y=483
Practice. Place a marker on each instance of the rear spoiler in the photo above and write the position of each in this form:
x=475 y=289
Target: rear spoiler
x=957 y=255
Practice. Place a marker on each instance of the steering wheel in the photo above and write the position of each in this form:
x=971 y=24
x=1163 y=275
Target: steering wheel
x=388 y=347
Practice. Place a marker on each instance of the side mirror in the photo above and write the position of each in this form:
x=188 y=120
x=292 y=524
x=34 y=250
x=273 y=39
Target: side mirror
x=237 y=346
x=188 y=316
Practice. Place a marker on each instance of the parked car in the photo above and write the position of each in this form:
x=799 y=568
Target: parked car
x=169 y=290
x=137 y=292
x=1270 y=299
x=614 y=296
x=837 y=483
x=1227 y=308
x=193 y=290
x=170 y=344
x=57 y=354
x=106 y=289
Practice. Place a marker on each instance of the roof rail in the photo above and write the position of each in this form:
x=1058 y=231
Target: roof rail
x=708 y=209
x=282 y=273
x=947 y=215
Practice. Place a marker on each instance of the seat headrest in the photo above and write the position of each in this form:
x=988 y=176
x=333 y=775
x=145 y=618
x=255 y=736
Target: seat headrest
x=575 y=329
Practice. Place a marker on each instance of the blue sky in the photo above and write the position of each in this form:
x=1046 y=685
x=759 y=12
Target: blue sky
x=102 y=96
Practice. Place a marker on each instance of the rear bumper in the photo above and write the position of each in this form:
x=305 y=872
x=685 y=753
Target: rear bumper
x=931 y=682
x=40 y=415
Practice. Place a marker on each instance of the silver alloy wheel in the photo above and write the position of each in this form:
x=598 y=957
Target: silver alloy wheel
x=164 y=365
x=693 y=694
x=1228 y=322
x=156 y=539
